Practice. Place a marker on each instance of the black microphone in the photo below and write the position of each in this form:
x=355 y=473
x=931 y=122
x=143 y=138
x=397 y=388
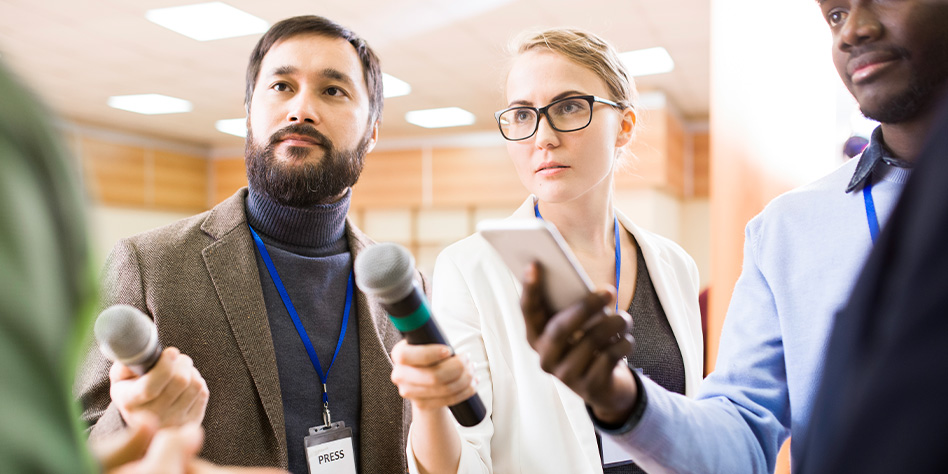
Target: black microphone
x=126 y=335
x=385 y=271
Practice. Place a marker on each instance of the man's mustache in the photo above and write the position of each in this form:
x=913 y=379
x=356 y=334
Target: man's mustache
x=302 y=130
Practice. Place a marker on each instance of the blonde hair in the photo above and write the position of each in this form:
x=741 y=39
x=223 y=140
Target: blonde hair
x=587 y=50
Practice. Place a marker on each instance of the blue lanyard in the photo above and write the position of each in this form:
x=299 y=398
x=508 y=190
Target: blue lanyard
x=615 y=223
x=871 y=212
x=299 y=325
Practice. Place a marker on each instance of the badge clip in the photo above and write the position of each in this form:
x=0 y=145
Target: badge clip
x=327 y=418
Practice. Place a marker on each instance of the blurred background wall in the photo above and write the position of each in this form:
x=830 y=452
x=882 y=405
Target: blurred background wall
x=421 y=195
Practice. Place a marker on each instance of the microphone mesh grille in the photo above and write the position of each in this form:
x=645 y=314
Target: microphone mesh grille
x=385 y=271
x=124 y=329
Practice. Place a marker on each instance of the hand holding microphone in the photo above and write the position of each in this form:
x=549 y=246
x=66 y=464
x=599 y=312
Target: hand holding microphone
x=426 y=369
x=145 y=378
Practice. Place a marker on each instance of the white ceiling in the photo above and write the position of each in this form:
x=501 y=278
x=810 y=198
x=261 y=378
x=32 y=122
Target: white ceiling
x=77 y=53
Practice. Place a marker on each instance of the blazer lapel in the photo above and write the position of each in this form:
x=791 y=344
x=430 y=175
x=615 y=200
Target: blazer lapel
x=384 y=418
x=232 y=265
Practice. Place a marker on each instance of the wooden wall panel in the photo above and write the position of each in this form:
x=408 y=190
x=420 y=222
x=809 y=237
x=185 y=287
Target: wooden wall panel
x=227 y=175
x=644 y=164
x=180 y=181
x=675 y=170
x=142 y=175
x=475 y=176
x=114 y=173
x=701 y=164
x=389 y=179
x=435 y=188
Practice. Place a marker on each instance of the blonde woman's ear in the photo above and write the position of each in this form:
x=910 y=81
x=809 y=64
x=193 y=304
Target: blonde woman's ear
x=626 y=127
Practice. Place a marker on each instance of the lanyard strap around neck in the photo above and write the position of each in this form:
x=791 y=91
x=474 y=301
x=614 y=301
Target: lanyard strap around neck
x=296 y=319
x=618 y=252
x=870 y=211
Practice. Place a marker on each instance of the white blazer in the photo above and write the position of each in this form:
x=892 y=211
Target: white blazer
x=535 y=423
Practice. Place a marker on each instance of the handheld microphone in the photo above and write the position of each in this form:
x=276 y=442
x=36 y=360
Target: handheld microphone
x=385 y=272
x=126 y=335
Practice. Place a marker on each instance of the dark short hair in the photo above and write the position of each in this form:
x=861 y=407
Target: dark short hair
x=317 y=25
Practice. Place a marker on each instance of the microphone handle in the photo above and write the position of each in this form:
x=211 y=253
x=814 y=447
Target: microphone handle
x=469 y=412
x=143 y=366
x=406 y=315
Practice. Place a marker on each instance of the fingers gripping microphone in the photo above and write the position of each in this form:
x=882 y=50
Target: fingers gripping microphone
x=385 y=272
x=126 y=335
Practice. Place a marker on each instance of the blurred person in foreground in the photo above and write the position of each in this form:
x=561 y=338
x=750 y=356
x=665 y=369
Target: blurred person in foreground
x=802 y=255
x=47 y=298
x=568 y=119
x=259 y=290
x=47 y=291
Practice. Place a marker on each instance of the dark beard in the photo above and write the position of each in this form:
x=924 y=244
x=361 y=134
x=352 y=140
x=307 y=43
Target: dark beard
x=303 y=184
x=920 y=96
x=906 y=106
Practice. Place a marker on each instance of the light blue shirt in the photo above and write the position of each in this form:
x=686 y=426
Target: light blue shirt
x=802 y=255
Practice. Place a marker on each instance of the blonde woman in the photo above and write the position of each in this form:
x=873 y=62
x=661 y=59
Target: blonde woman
x=569 y=114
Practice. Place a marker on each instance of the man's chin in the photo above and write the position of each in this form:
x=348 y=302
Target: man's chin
x=893 y=112
x=299 y=154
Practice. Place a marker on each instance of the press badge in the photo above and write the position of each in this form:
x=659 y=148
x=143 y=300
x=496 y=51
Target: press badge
x=329 y=449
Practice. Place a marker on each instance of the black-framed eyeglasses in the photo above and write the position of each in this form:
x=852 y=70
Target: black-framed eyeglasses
x=568 y=114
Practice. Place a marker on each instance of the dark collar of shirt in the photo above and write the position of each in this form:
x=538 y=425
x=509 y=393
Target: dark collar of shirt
x=875 y=153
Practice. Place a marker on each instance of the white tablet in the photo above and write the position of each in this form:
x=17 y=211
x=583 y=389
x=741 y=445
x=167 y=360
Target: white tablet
x=522 y=241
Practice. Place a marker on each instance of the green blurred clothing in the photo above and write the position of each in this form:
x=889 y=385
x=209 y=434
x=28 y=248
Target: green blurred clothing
x=46 y=291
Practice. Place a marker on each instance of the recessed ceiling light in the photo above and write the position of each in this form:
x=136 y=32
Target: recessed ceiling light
x=149 y=104
x=643 y=62
x=207 y=21
x=394 y=87
x=438 y=118
x=236 y=127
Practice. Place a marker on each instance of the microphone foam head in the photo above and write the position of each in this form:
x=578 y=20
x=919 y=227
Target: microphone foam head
x=385 y=271
x=124 y=332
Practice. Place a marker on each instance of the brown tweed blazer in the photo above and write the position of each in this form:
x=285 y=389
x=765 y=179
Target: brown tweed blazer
x=198 y=279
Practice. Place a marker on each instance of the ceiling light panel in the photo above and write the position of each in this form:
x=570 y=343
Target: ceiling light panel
x=644 y=62
x=236 y=127
x=150 y=104
x=440 y=118
x=394 y=87
x=207 y=21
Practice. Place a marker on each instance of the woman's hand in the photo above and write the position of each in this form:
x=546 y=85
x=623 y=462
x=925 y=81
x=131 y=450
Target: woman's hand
x=431 y=376
x=582 y=346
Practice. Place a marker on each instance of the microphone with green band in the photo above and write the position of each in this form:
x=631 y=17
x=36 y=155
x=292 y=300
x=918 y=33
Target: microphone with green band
x=385 y=271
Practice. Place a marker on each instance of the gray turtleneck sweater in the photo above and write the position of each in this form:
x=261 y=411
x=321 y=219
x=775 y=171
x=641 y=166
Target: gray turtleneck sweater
x=310 y=252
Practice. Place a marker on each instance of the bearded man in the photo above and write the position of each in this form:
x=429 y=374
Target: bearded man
x=269 y=343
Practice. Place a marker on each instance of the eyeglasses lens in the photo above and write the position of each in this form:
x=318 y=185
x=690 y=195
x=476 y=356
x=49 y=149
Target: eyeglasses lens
x=566 y=116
